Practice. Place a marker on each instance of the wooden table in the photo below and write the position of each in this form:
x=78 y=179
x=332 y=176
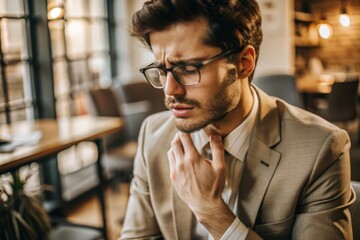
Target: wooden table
x=310 y=84
x=314 y=86
x=58 y=135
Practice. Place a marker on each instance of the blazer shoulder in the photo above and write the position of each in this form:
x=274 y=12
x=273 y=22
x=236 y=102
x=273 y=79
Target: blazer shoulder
x=299 y=124
x=159 y=127
x=307 y=119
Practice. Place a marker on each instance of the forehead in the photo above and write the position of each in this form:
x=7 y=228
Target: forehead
x=184 y=39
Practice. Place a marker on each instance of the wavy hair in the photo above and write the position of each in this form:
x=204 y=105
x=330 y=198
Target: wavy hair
x=232 y=23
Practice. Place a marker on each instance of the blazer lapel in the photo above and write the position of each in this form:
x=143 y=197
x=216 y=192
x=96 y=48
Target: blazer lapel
x=260 y=165
x=261 y=160
x=182 y=217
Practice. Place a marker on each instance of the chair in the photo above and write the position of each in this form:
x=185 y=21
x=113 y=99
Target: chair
x=73 y=232
x=141 y=90
x=341 y=102
x=120 y=149
x=355 y=211
x=139 y=100
x=282 y=86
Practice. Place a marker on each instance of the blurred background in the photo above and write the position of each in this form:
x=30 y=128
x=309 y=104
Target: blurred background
x=66 y=58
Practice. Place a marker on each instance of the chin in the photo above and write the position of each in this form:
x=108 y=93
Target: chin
x=188 y=126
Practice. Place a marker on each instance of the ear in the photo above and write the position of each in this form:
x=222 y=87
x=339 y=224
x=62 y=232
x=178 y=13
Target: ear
x=246 y=62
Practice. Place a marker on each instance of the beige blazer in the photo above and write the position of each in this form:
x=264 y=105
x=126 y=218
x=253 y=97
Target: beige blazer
x=296 y=181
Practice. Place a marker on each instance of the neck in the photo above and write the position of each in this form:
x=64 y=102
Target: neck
x=235 y=117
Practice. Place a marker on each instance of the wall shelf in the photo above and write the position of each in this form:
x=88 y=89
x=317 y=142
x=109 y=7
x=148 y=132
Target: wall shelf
x=304 y=17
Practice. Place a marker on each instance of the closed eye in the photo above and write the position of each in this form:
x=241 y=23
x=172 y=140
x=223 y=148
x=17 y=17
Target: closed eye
x=186 y=70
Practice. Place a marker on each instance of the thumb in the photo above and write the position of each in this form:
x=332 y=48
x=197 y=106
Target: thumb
x=217 y=149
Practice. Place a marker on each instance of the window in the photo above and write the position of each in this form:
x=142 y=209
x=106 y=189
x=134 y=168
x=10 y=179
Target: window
x=81 y=59
x=80 y=51
x=16 y=95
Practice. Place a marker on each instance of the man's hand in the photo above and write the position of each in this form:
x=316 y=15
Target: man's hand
x=200 y=182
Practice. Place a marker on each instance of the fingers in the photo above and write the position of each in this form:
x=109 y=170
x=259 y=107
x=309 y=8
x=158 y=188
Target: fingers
x=188 y=144
x=217 y=149
x=183 y=146
x=172 y=163
x=171 y=157
x=177 y=147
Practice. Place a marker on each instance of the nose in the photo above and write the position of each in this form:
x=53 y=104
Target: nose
x=172 y=87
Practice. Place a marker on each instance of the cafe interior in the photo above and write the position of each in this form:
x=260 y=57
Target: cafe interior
x=72 y=98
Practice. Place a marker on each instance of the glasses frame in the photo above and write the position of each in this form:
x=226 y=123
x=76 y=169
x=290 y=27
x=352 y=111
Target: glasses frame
x=198 y=66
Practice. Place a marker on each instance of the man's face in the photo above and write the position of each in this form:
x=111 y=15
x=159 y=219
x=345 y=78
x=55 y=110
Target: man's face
x=219 y=90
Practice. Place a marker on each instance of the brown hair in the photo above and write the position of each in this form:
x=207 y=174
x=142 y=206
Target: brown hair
x=232 y=23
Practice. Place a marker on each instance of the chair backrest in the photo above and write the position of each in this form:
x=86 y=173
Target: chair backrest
x=104 y=102
x=137 y=91
x=139 y=101
x=355 y=211
x=342 y=101
x=282 y=86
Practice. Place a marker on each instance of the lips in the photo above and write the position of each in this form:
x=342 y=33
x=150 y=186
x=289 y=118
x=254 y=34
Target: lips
x=181 y=110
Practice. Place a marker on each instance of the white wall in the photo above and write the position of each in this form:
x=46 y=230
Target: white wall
x=277 y=49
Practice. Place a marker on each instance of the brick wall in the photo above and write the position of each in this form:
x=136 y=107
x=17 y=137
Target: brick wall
x=342 y=51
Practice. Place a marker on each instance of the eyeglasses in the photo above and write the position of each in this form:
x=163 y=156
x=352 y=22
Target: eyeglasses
x=185 y=74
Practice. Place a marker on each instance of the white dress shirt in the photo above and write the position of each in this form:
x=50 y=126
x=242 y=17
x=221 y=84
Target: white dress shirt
x=236 y=144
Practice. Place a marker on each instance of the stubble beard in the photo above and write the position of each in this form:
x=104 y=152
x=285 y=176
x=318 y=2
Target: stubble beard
x=188 y=126
x=217 y=109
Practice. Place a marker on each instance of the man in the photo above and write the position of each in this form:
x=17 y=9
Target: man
x=228 y=161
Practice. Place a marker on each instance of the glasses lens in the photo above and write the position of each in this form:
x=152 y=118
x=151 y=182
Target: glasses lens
x=187 y=75
x=156 y=77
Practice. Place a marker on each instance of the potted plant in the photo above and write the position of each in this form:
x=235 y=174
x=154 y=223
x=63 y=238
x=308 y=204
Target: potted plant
x=22 y=215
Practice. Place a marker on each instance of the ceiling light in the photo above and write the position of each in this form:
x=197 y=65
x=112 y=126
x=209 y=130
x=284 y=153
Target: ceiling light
x=324 y=28
x=344 y=18
x=55 y=11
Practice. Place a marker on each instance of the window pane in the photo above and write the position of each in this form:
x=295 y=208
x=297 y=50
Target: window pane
x=18 y=115
x=123 y=42
x=122 y=13
x=30 y=112
x=80 y=75
x=97 y=8
x=68 y=161
x=11 y=7
x=57 y=38
x=18 y=83
x=2 y=118
x=85 y=8
x=63 y=107
x=15 y=82
x=26 y=113
x=55 y=2
x=100 y=70
x=61 y=80
x=76 y=38
x=99 y=36
x=76 y=8
x=27 y=82
x=13 y=39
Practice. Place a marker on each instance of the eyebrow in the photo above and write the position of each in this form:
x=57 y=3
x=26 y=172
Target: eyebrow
x=181 y=61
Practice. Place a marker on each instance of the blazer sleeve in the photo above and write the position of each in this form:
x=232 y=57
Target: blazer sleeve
x=140 y=221
x=322 y=211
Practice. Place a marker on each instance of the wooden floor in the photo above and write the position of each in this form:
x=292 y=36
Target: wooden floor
x=88 y=211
